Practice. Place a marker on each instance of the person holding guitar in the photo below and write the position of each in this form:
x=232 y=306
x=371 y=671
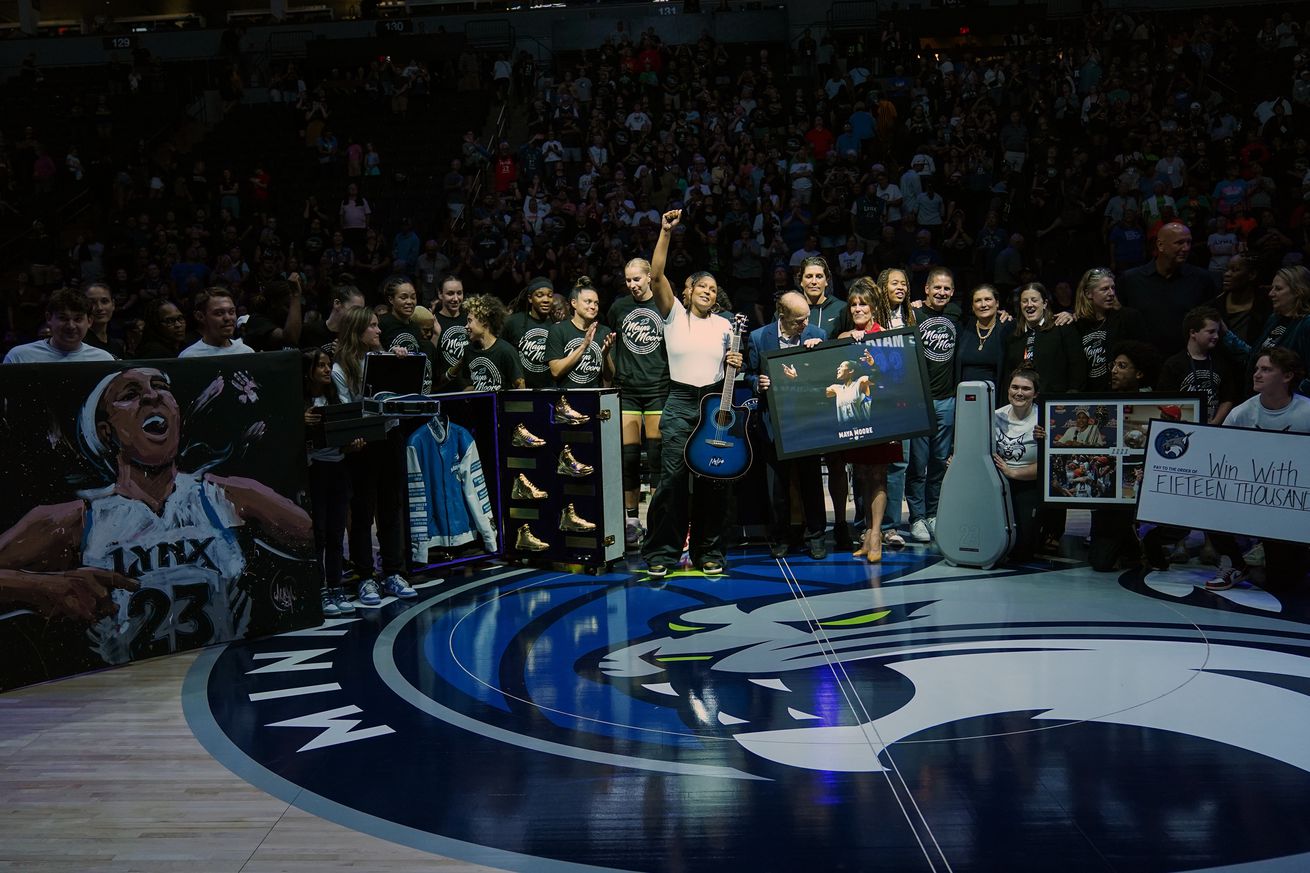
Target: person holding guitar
x=792 y=329
x=696 y=339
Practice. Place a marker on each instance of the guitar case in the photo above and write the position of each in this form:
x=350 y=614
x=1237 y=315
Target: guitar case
x=975 y=519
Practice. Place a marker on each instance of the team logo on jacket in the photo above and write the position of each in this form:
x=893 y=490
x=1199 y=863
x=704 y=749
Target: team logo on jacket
x=642 y=331
x=566 y=692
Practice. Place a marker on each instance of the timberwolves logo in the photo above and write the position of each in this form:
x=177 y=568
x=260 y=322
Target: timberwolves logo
x=588 y=369
x=938 y=337
x=484 y=375
x=1171 y=443
x=454 y=340
x=642 y=331
x=817 y=716
x=532 y=350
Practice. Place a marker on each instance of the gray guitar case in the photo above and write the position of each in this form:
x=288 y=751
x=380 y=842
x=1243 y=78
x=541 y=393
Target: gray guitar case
x=975 y=520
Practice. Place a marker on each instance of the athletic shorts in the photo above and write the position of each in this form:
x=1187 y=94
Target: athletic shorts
x=643 y=400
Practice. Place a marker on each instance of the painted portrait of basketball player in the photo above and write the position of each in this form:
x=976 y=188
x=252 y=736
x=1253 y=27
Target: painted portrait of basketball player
x=154 y=557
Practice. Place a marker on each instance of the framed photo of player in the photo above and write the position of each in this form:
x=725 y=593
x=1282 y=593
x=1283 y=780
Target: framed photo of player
x=149 y=507
x=841 y=395
x=1095 y=444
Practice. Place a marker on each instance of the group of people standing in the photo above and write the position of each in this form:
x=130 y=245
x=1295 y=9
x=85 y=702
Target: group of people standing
x=666 y=350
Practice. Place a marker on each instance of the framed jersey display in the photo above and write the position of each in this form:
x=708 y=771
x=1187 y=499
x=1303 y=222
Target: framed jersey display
x=1094 y=446
x=843 y=394
x=150 y=507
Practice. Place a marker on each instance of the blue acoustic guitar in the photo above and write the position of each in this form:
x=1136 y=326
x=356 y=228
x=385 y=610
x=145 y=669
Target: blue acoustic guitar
x=719 y=448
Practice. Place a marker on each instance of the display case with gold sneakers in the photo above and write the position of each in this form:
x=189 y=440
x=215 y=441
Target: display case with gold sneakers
x=562 y=463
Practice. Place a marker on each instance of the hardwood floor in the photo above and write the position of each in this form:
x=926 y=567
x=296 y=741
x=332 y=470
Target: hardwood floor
x=101 y=773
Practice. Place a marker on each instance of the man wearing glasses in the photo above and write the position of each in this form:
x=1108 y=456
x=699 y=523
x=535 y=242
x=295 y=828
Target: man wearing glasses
x=792 y=329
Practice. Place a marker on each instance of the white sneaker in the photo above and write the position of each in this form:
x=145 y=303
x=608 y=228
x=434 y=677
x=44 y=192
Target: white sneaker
x=369 y=595
x=1227 y=577
x=919 y=532
x=932 y=526
x=330 y=608
x=396 y=586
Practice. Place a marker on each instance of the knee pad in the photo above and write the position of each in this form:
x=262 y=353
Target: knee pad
x=653 y=469
x=631 y=467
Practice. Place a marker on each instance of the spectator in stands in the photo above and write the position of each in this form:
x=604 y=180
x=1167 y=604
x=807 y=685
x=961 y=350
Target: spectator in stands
x=165 y=331
x=354 y=217
x=275 y=320
x=101 y=300
x=405 y=247
x=216 y=317
x=68 y=319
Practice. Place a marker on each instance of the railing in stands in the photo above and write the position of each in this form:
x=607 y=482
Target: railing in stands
x=289 y=43
x=850 y=14
x=484 y=34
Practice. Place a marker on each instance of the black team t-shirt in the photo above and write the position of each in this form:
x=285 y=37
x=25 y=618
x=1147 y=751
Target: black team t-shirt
x=939 y=334
x=528 y=335
x=398 y=334
x=640 y=358
x=454 y=337
x=563 y=339
x=1214 y=377
x=317 y=335
x=491 y=369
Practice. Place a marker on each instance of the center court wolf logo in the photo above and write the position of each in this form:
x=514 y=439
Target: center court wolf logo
x=854 y=692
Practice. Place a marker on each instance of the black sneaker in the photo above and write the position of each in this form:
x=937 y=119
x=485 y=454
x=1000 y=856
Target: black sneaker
x=657 y=571
x=778 y=550
x=1153 y=552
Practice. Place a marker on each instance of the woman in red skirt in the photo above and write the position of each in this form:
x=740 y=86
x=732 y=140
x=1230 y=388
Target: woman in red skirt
x=867 y=310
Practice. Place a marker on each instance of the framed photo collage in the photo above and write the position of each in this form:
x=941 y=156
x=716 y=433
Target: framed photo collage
x=1095 y=445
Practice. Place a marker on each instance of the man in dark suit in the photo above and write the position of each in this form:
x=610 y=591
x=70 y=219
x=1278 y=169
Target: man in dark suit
x=791 y=330
x=1165 y=289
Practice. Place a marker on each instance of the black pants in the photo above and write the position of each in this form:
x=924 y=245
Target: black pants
x=684 y=500
x=1114 y=537
x=329 y=495
x=805 y=472
x=377 y=478
x=1025 y=501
